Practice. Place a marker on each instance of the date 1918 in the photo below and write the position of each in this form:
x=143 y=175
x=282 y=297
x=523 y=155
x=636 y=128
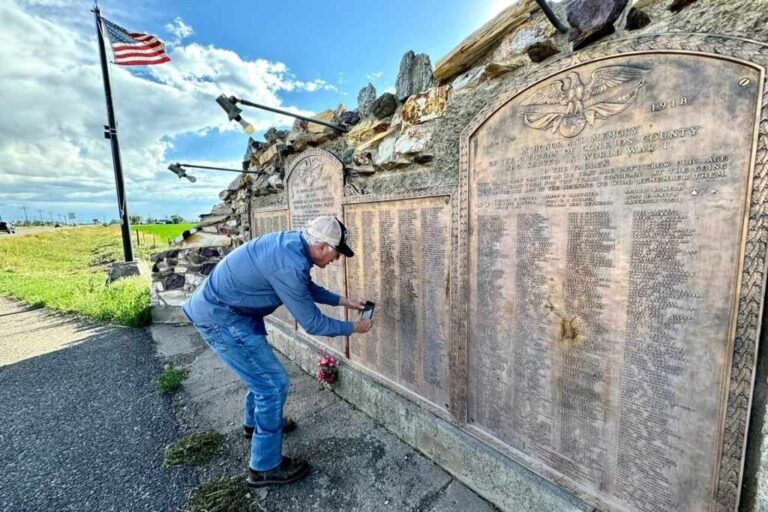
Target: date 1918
x=664 y=105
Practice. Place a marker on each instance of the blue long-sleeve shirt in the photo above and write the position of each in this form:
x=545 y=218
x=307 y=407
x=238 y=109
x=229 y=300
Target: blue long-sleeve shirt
x=256 y=278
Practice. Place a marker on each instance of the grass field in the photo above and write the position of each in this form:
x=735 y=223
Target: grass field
x=162 y=231
x=66 y=270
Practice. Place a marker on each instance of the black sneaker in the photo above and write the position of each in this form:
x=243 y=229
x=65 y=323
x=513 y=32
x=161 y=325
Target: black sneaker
x=289 y=427
x=288 y=471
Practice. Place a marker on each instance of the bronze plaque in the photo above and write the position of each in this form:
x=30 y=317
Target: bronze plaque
x=402 y=263
x=605 y=210
x=315 y=183
x=269 y=220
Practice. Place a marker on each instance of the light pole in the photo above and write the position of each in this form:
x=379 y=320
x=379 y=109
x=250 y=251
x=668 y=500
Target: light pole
x=178 y=170
x=229 y=104
x=26 y=219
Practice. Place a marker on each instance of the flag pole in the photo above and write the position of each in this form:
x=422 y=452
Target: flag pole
x=110 y=132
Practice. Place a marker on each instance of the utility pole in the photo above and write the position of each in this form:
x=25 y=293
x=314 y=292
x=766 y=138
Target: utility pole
x=41 y=216
x=50 y=214
x=26 y=219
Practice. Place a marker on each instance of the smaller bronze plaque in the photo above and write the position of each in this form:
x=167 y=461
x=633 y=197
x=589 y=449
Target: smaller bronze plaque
x=315 y=184
x=402 y=264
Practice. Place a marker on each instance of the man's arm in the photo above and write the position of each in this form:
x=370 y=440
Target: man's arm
x=323 y=296
x=294 y=289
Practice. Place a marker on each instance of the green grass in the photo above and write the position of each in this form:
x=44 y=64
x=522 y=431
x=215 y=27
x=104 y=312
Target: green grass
x=170 y=380
x=226 y=495
x=163 y=232
x=66 y=270
x=195 y=449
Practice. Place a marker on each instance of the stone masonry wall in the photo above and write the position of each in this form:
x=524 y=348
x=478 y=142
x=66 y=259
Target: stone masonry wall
x=410 y=140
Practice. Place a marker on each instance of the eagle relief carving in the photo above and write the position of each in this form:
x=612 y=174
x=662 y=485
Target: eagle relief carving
x=567 y=106
x=310 y=170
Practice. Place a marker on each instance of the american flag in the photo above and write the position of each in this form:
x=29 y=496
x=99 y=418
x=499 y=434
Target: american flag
x=133 y=48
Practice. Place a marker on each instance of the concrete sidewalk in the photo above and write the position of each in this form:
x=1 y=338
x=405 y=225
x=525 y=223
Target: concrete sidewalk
x=357 y=465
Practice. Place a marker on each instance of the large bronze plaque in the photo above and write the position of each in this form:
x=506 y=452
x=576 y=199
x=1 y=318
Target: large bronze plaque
x=605 y=233
x=315 y=183
x=269 y=220
x=403 y=263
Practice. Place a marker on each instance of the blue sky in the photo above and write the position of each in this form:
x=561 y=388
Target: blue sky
x=300 y=55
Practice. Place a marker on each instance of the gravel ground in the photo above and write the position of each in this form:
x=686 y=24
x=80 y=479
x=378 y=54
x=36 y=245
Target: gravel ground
x=82 y=427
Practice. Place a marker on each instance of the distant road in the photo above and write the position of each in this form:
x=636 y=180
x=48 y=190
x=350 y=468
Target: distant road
x=22 y=230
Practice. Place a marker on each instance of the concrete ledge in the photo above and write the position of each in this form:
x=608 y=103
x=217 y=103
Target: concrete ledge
x=168 y=315
x=500 y=480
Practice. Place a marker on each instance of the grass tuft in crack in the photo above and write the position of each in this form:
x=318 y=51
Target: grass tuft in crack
x=227 y=495
x=195 y=449
x=170 y=380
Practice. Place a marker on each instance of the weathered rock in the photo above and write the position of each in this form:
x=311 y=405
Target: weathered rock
x=122 y=269
x=386 y=157
x=415 y=75
x=678 y=5
x=590 y=36
x=207 y=268
x=347 y=156
x=328 y=116
x=298 y=140
x=174 y=282
x=637 y=19
x=541 y=51
x=384 y=106
x=275 y=182
x=365 y=131
x=209 y=252
x=365 y=99
x=414 y=140
x=495 y=69
x=270 y=154
x=221 y=209
x=588 y=15
x=210 y=220
x=424 y=106
x=469 y=80
x=236 y=183
x=365 y=157
x=273 y=135
x=480 y=41
x=349 y=118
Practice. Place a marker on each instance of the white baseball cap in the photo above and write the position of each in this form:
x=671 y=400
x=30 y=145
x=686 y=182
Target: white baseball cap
x=331 y=231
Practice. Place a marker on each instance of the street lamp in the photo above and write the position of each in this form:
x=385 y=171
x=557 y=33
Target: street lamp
x=178 y=170
x=229 y=104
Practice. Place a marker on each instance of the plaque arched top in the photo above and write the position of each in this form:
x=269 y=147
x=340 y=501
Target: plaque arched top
x=313 y=158
x=315 y=186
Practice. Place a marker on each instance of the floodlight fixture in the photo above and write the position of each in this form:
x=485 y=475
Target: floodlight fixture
x=233 y=112
x=180 y=172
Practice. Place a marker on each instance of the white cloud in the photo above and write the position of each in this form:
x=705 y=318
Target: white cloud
x=52 y=151
x=375 y=76
x=179 y=29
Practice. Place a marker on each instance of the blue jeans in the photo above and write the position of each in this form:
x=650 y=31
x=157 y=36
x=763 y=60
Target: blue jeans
x=249 y=355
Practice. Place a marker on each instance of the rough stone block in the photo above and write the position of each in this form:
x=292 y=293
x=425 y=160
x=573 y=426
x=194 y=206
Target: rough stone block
x=424 y=106
x=365 y=99
x=541 y=51
x=590 y=36
x=365 y=131
x=415 y=75
x=384 y=106
x=469 y=80
x=496 y=69
x=414 y=140
x=271 y=153
x=587 y=15
x=327 y=116
x=162 y=314
x=637 y=19
x=678 y=5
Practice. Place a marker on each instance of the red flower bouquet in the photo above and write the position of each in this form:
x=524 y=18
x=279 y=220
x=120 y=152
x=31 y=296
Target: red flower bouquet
x=328 y=369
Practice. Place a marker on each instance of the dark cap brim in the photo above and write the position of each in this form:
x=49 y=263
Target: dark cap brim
x=346 y=251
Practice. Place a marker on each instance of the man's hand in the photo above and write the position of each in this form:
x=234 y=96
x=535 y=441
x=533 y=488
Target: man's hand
x=363 y=326
x=348 y=303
